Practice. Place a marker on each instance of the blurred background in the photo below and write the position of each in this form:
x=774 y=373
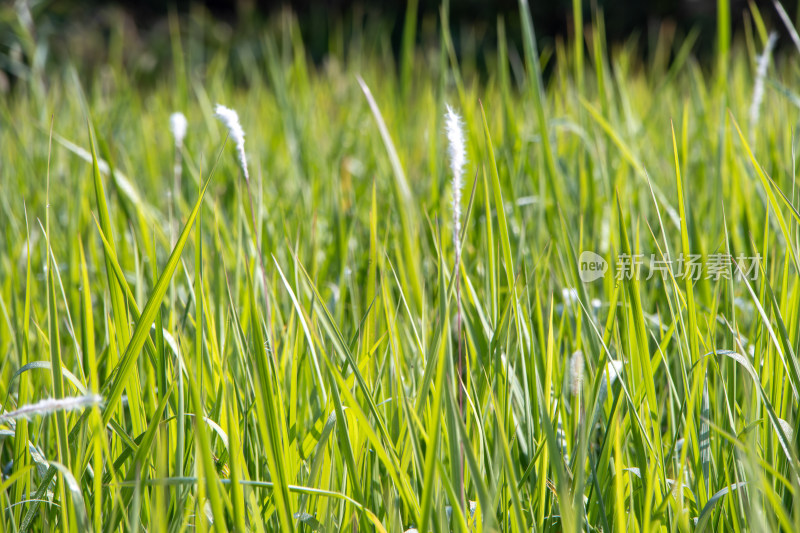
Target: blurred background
x=89 y=33
x=623 y=17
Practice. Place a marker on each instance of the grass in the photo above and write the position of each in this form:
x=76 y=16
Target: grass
x=321 y=394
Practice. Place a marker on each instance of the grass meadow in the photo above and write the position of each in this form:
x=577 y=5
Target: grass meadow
x=184 y=347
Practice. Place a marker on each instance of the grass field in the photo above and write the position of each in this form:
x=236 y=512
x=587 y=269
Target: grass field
x=185 y=348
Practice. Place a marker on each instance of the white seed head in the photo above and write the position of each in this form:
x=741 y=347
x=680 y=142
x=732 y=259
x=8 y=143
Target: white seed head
x=569 y=295
x=177 y=125
x=612 y=371
x=761 y=75
x=45 y=407
x=458 y=158
x=576 y=372
x=230 y=119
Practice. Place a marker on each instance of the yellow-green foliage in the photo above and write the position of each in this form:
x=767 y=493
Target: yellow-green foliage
x=311 y=384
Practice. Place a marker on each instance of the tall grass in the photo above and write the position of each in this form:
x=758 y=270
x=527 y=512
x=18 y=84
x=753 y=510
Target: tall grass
x=275 y=350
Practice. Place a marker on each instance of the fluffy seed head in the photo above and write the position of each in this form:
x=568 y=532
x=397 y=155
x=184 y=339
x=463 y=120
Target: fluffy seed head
x=761 y=74
x=230 y=119
x=610 y=374
x=177 y=125
x=45 y=407
x=458 y=158
x=569 y=295
x=576 y=372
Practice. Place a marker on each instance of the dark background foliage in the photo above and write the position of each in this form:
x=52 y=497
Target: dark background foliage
x=89 y=33
x=624 y=19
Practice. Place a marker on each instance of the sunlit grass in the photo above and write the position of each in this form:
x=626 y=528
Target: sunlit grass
x=274 y=340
